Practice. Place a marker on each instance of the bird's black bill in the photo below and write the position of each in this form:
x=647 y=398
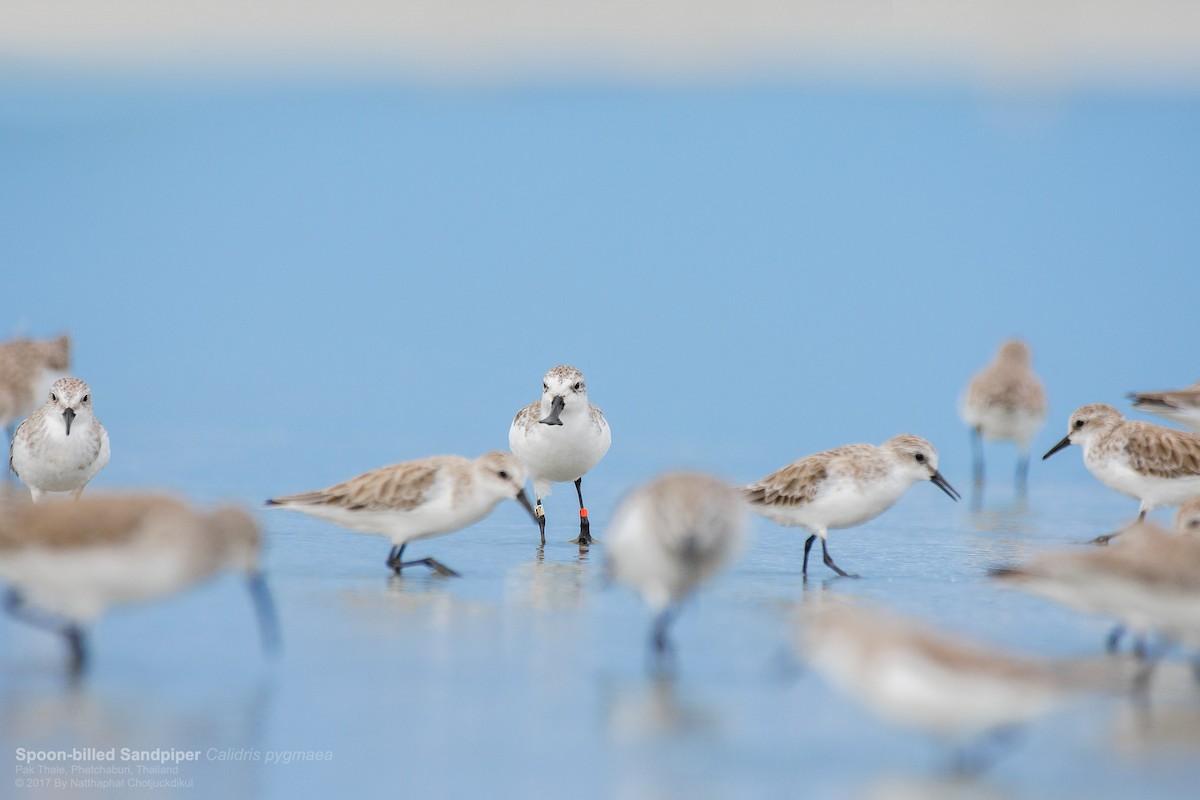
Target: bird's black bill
x=523 y=499
x=556 y=407
x=1066 y=441
x=69 y=415
x=945 y=486
x=268 y=622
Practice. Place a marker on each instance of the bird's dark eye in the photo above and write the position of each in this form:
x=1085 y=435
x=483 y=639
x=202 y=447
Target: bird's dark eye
x=578 y=386
x=920 y=457
x=503 y=474
x=53 y=397
x=87 y=397
x=545 y=388
x=1078 y=424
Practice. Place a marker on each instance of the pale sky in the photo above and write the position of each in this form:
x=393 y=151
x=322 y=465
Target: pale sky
x=1150 y=40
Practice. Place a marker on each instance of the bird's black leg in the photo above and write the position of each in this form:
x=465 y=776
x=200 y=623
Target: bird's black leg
x=1113 y=643
x=14 y=604
x=1114 y=638
x=807 y=546
x=394 y=558
x=974 y=759
x=264 y=607
x=540 y=513
x=1108 y=537
x=78 y=660
x=1150 y=655
x=585 y=527
x=662 y=654
x=1141 y=681
x=977 y=454
x=432 y=563
x=829 y=562
x=396 y=562
x=1022 y=474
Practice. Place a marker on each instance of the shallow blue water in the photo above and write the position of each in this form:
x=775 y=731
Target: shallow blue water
x=276 y=287
x=527 y=676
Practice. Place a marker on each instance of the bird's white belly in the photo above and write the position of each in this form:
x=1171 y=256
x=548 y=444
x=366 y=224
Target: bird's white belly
x=848 y=503
x=1008 y=425
x=560 y=453
x=841 y=503
x=954 y=703
x=62 y=463
x=439 y=515
x=81 y=583
x=1153 y=492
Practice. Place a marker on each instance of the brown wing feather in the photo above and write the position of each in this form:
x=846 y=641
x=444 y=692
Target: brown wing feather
x=1007 y=388
x=528 y=415
x=794 y=485
x=1164 y=452
x=84 y=523
x=398 y=487
x=1179 y=398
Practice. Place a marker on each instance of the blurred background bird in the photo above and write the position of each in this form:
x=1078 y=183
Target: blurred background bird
x=27 y=368
x=1004 y=402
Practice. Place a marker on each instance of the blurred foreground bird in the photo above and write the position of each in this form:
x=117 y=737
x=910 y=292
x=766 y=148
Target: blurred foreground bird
x=1148 y=580
x=668 y=537
x=1187 y=519
x=66 y=562
x=970 y=696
